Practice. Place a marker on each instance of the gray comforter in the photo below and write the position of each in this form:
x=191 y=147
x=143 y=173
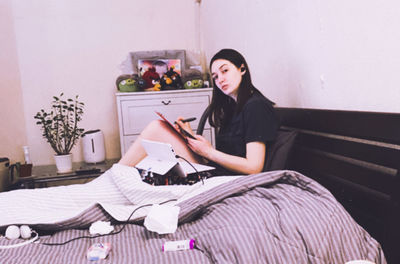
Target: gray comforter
x=274 y=217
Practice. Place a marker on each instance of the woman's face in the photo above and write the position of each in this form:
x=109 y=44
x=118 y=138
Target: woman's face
x=227 y=77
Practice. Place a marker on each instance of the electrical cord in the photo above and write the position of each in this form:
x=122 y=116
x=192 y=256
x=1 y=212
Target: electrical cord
x=197 y=172
x=199 y=249
x=23 y=243
x=110 y=234
x=207 y=253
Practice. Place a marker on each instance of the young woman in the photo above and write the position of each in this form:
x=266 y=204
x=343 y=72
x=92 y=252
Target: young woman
x=243 y=118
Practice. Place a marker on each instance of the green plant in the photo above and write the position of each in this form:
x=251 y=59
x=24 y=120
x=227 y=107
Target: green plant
x=60 y=125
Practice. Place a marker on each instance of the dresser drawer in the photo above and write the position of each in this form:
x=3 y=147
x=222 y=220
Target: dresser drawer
x=137 y=113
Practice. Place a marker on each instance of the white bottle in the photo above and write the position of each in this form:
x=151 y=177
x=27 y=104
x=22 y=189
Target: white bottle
x=178 y=245
x=26 y=155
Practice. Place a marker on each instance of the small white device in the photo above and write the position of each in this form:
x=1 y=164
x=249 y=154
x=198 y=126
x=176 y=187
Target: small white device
x=93 y=146
x=24 y=231
x=161 y=158
x=13 y=232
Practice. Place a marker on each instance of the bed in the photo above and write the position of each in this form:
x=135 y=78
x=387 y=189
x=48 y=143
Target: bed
x=296 y=215
x=355 y=155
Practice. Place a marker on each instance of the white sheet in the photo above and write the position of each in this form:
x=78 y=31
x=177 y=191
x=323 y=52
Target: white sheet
x=119 y=191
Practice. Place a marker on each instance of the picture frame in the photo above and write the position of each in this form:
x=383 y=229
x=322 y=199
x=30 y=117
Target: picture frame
x=157 y=55
x=161 y=65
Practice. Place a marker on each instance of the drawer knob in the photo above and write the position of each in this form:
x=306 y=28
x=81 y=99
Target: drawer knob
x=166 y=102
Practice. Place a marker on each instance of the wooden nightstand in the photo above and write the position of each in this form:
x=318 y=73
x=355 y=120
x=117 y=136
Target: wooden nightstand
x=46 y=176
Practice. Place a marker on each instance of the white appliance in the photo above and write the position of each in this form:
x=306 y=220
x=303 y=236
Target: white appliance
x=161 y=158
x=93 y=146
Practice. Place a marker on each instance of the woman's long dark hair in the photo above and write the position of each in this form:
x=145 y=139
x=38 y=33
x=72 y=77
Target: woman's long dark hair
x=222 y=107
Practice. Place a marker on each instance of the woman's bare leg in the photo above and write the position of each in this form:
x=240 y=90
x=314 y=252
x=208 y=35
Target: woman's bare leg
x=158 y=131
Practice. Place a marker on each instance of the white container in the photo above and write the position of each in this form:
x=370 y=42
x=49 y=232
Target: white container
x=93 y=146
x=63 y=163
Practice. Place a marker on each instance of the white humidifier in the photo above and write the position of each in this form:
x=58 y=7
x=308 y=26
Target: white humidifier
x=93 y=146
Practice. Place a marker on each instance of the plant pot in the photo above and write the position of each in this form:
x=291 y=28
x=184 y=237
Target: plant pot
x=63 y=163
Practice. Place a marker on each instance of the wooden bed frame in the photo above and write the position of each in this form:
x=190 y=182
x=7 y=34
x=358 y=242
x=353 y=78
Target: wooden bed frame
x=356 y=155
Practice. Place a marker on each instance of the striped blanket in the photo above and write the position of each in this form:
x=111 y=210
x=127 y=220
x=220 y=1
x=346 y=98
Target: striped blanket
x=273 y=217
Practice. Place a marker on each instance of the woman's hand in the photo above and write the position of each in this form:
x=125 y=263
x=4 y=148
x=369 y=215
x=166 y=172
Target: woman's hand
x=181 y=125
x=201 y=146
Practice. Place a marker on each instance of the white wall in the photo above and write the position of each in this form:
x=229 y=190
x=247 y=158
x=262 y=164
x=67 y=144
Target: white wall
x=76 y=47
x=313 y=53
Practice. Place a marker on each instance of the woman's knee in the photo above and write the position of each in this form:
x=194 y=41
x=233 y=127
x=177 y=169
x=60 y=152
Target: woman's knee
x=154 y=127
x=155 y=124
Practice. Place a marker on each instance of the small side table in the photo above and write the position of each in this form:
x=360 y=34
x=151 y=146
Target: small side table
x=46 y=175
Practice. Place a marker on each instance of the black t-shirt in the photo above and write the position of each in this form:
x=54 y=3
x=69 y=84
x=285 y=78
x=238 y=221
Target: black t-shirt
x=257 y=122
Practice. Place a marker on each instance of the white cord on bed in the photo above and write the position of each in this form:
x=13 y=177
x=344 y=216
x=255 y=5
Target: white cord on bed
x=23 y=243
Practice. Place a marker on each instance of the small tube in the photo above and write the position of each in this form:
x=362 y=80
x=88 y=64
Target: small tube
x=178 y=245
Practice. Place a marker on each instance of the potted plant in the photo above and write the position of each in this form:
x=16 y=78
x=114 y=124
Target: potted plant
x=60 y=129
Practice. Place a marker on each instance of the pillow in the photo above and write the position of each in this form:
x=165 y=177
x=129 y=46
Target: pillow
x=279 y=152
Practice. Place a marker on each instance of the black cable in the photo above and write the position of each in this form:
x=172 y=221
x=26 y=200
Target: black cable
x=110 y=234
x=207 y=253
x=197 y=172
x=199 y=249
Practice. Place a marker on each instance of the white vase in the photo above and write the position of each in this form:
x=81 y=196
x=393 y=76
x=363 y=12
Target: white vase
x=63 y=163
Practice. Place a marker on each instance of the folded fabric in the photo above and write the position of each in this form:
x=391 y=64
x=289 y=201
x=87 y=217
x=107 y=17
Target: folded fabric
x=162 y=219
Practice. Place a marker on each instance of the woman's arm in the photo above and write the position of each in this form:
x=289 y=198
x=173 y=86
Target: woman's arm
x=253 y=163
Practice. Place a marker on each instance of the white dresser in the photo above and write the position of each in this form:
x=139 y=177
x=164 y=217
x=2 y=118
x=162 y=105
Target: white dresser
x=136 y=110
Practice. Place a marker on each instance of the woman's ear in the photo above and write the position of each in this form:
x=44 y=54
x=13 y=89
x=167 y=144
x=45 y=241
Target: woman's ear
x=242 y=69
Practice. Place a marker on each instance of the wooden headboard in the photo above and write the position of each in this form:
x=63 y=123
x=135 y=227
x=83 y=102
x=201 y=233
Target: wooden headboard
x=356 y=155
